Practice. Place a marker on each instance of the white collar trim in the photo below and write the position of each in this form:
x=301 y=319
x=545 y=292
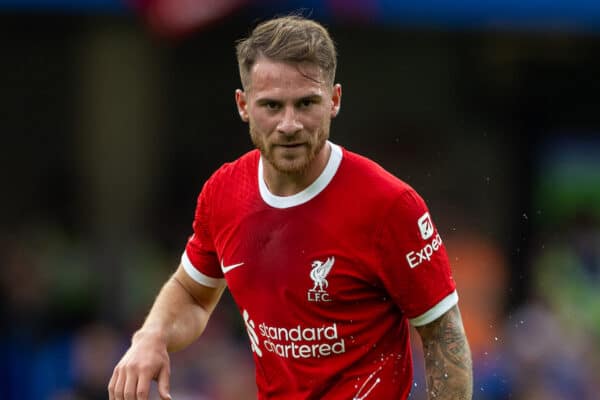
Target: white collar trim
x=335 y=159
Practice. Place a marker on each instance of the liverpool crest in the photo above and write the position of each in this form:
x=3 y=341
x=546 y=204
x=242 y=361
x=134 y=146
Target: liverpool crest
x=319 y=272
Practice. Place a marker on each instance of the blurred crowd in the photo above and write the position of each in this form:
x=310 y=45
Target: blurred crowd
x=546 y=347
x=67 y=321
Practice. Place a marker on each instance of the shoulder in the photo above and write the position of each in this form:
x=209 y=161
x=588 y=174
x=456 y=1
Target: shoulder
x=229 y=186
x=373 y=178
x=377 y=196
x=234 y=172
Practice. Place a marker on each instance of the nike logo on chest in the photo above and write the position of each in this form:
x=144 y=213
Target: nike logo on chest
x=228 y=268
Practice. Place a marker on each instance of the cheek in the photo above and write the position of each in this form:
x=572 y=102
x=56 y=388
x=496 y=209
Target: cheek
x=262 y=122
x=321 y=118
x=321 y=123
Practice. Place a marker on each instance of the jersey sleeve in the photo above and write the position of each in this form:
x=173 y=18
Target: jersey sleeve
x=415 y=269
x=200 y=259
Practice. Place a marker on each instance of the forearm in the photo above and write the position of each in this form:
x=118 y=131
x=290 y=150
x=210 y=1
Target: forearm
x=176 y=317
x=448 y=365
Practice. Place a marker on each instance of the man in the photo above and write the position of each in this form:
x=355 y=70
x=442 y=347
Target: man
x=328 y=256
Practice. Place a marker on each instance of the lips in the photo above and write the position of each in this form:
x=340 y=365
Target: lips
x=291 y=145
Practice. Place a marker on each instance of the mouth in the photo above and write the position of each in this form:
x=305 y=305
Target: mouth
x=291 y=145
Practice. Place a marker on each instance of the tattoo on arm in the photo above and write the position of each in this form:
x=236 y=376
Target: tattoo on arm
x=448 y=365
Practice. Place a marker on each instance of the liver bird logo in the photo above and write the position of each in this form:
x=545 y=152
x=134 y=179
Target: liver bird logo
x=319 y=273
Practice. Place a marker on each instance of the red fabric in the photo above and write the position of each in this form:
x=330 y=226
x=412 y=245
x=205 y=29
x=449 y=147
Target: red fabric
x=344 y=338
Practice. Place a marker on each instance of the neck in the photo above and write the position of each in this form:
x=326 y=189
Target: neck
x=288 y=184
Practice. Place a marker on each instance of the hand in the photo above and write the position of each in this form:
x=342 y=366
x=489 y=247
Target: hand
x=147 y=359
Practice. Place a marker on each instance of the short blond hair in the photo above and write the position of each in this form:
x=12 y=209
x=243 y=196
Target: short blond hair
x=292 y=39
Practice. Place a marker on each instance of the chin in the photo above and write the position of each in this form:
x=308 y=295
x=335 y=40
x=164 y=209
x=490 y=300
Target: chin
x=290 y=167
x=289 y=162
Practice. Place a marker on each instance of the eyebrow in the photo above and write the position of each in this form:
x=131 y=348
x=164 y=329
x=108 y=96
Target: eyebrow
x=265 y=100
x=311 y=97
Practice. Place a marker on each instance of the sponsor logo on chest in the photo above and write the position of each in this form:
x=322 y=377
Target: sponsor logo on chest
x=295 y=342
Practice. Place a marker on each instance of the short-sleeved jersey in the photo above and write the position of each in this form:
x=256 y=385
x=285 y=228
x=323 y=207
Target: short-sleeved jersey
x=326 y=280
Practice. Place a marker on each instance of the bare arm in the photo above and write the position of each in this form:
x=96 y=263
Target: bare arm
x=448 y=365
x=181 y=311
x=178 y=316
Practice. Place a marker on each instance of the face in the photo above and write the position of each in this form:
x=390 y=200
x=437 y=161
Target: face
x=289 y=109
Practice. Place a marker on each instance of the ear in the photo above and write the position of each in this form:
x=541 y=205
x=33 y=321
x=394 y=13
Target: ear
x=336 y=99
x=242 y=105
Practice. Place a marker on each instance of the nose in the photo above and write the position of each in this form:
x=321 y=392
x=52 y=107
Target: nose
x=289 y=123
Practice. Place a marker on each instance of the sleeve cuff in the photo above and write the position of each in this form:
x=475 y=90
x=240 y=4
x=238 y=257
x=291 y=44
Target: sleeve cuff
x=199 y=276
x=436 y=311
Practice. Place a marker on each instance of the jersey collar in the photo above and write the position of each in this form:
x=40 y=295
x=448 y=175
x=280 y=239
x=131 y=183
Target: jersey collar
x=335 y=159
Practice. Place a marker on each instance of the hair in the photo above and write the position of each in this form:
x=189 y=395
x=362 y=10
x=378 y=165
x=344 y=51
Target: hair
x=292 y=39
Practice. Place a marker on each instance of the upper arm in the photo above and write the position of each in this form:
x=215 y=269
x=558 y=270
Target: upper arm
x=414 y=266
x=205 y=296
x=446 y=337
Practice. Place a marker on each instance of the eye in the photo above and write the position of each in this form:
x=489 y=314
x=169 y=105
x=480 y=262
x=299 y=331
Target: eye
x=305 y=103
x=272 y=105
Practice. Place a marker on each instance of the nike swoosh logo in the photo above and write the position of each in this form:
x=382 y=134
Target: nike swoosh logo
x=228 y=268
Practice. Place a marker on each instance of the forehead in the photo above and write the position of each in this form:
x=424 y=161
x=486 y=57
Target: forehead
x=282 y=79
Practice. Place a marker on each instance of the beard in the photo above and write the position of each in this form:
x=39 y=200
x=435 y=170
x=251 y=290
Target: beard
x=290 y=166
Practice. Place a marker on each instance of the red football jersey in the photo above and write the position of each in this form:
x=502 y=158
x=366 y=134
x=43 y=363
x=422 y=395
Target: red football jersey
x=326 y=280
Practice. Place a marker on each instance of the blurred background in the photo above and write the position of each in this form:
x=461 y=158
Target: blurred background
x=113 y=113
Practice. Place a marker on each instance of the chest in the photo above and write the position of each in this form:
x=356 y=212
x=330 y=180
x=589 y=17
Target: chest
x=296 y=261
